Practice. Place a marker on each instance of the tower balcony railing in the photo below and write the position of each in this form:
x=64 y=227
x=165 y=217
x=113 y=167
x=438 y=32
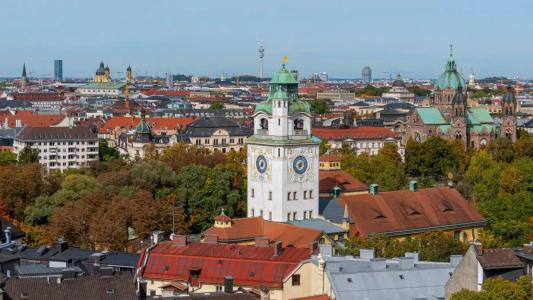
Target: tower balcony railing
x=262 y=131
x=300 y=132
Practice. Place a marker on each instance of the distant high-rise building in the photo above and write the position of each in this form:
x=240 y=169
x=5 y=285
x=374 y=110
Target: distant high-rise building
x=366 y=75
x=58 y=70
x=170 y=80
x=323 y=77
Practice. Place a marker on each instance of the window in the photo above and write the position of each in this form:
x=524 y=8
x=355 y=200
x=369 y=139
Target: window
x=289 y=196
x=305 y=196
x=232 y=141
x=261 y=213
x=311 y=214
x=294 y=215
x=288 y=216
x=279 y=122
x=305 y=214
x=252 y=193
x=295 y=280
x=218 y=288
x=206 y=141
x=294 y=196
x=215 y=142
x=456 y=235
x=269 y=195
x=270 y=216
x=198 y=142
x=279 y=152
x=253 y=213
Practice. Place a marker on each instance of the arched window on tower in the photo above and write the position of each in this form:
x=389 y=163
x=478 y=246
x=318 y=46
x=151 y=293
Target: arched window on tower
x=264 y=123
x=458 y=136
x=508 y=134
x=298 y=124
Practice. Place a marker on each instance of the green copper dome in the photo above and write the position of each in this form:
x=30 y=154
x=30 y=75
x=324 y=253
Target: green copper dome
x=283 y=76
x=143 y=127
x=299 y=106
x=101 y=69
x=282 y=86
x=451 y=78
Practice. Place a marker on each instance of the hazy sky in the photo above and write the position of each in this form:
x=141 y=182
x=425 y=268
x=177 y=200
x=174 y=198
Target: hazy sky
x=208 y=37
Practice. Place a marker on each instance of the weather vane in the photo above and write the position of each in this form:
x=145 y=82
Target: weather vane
x=285 y=59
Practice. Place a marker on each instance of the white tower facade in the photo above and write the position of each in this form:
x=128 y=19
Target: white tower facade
x=283 y=156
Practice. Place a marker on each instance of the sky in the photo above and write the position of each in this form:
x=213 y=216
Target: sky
x=208 y=37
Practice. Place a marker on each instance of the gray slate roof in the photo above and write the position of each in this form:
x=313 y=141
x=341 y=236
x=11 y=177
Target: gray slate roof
x=319 y=224
x=205 y=127
x=56 y=133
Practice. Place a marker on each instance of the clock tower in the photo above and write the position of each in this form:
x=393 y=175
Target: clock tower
x=283 y=156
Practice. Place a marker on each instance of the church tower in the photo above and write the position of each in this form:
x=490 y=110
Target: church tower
x=24 y=79
x=447 y=84
x=283 y=156
x=458 y=119
x=129 y=75
x=508 y=126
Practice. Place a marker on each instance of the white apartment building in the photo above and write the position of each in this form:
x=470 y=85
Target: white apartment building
x=59 y=148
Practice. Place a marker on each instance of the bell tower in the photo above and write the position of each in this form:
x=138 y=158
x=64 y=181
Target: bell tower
x=459 y=116
x=283 y=156
x=508 y=126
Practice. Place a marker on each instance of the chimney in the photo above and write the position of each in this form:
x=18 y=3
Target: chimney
x=407 y=263
x=262 y=242
x=413 y=255
x=277 y=248
x=326 y=250
x=374 y=189
x=61 y=245
x=157 y=236
x=366 y=253
x=413 y=186
x=455 y=260
x=180 y=240
x=228 y=284
x=211 y=239
x=378 y=264
x=7 y=234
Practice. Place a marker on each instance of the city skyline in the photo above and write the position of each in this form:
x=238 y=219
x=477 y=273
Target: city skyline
x=210 y=38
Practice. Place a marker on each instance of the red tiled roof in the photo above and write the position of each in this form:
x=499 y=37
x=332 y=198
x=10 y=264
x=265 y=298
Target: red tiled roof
x=155 y=123
x=365 y=132
x=497 y=258
x=248 y=265
x=405 y=211
x=249 y=228
x=346 y=182
x=29 y=118
x=330 y=157
x=38 y=96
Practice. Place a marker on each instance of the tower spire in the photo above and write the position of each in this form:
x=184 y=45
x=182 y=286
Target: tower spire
x=24 y=70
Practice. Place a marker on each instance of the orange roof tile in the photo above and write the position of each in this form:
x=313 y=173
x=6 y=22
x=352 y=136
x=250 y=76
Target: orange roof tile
x=249 y=228
x=402 y=212
x=30 y=118
x=155 y=123
x=345 y=181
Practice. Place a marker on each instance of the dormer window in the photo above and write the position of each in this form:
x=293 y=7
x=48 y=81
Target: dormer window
x=377 y=214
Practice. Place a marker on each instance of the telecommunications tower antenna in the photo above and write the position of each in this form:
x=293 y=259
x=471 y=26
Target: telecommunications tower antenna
x=261 y=56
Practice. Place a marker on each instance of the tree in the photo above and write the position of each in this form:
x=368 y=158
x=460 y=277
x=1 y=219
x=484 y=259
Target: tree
x=432 y=246
x=502 y=149
x=324 y=146
x=319 y=106
x=216 y=105
x=106 y=153
x=499 y=288
x=28 y=155
x=7 y=157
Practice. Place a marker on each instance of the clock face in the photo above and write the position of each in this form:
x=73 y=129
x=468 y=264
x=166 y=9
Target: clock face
x=300 y=164
x=261 y=164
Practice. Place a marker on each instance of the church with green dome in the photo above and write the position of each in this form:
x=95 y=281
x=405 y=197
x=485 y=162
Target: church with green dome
x=450 y=117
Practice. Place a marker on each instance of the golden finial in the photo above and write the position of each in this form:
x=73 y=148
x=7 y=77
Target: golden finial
x=285 y=59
